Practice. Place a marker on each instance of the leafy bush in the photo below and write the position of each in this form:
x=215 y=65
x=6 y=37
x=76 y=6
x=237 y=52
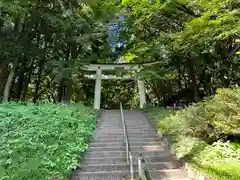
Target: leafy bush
x=214 y=118
x=191 y=130
x=42 y=142
x=225 y=150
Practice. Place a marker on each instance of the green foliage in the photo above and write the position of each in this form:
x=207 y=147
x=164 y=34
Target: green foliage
x=204 y=122
x=197 y=41
x=214 y=118
x=160 y=112
x=48 y=42
x=43 y=141
x=225 y=150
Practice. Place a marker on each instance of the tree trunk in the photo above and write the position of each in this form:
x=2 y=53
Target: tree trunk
x=20 y=83
x=12 y=88
x=68 y=92
x=60 y=91
x=38 y=81
x=179 y=79
x=193 y=81
x=26 y=83
x=8 y=85
x=3 y=74
x=1 y=78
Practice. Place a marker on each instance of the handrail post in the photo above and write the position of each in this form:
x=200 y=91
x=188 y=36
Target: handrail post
x=127 y=153
x=140 y=169
x=131 y=165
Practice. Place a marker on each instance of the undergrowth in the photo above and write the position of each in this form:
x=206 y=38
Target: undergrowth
x=200 y=134
x=42 y=141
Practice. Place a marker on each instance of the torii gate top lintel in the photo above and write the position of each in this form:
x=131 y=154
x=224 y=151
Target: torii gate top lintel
x=113 y=66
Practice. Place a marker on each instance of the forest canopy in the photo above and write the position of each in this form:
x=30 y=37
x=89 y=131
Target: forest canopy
x=44 y=45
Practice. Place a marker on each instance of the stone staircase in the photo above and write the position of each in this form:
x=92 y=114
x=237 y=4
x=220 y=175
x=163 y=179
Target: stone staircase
x=106 y=156
x=144 y=139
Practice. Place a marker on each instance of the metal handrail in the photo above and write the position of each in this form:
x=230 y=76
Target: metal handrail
x=142 y=165
x=126 y=141
x=144 y=174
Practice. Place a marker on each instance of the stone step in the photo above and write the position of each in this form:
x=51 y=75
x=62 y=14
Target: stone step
x=113 y=138
x=131 y=140
x=133 y=148
x=98 y=154
x=106 y=160
x=141 y=130
x=117 y=126
x=107 y=144
x=123 y=153
x=100 y=136
x=121 y=143
x=109 y=131
x=123 y=175
x=105 y=167
x=107 y=140
x=146 y=143
x=134 y=121
x=174 y=179
x=111 y=123
x=147 y=129
x=129 y=133
x=125 y=167
x=110 y=148
x=115 y=175
x=139 y=126
x=165 y=157
x=128 y=121
x=110 y=127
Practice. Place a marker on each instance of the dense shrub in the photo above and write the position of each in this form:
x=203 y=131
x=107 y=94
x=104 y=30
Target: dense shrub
x=214 y=118
x=200 y=134
x=42 y=142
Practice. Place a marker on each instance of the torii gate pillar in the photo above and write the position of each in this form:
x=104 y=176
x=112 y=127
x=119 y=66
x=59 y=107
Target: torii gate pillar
x=97 y=95
x=142 y=95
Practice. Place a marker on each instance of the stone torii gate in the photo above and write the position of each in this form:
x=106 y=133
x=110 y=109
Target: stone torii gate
x=99 y=76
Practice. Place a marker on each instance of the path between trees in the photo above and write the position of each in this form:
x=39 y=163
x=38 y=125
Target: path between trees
x=106 y=157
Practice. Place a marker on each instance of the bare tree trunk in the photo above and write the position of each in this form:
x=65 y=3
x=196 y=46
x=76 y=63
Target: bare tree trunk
x=21 y=77
x=3 y=74
x=60 y=91
x=1 y=78
x=8 y=85
x=179 y=79
x=193 y=80
x=26 y=83
x=68 y=92
x=38 y=81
